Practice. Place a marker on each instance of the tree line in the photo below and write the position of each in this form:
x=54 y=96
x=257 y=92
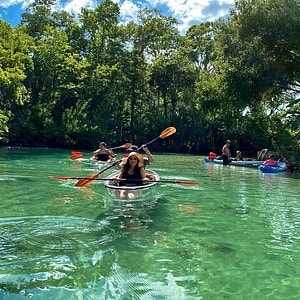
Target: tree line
x=72 y=81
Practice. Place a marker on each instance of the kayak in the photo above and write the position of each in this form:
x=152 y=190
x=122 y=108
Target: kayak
x=102 y=164
x=237 y=163
x=270 y=169
x=131 y=192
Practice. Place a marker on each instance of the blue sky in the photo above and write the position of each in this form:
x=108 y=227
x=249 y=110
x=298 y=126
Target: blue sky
x=187 y=12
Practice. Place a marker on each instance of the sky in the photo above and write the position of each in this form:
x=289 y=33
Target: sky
x=187 y=12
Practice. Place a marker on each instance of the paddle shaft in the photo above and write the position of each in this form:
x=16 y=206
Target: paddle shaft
x=78 y=154
x=131 y=180
x=165 y=133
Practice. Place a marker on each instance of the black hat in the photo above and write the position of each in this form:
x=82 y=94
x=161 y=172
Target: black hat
x=132 y=148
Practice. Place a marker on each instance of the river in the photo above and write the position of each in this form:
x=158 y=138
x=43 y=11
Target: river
x=235 y=235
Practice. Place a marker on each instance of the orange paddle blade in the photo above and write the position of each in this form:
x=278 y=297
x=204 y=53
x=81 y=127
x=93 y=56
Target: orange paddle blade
x=86 y=181
x=77 y=152
x=126 y=145
x=167 y=132
x=76 y=156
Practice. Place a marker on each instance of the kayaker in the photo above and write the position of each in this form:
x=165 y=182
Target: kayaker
x=146 y=160
x=271 y=162
x=226 y=153
x=133 y=171
x=133 y=168
x=238 y=155
x=103 y=153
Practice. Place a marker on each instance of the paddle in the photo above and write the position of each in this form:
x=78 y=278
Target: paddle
x=85 y=181
x=165 y=133
x=88 y=180
x=78 y=154
x=174 y=181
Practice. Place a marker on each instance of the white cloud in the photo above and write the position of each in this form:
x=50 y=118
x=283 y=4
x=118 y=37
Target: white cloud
x=187 y=12
x=74 y=6
x=8 y=3
x=128 y=10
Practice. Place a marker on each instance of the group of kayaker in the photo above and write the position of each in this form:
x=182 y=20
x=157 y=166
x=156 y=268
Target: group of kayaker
x=132 y=165
x=226 y=156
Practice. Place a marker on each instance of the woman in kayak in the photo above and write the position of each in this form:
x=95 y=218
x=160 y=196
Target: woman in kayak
x=133 y=172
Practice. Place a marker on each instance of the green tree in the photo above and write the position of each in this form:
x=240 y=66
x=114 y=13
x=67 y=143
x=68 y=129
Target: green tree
x=15 y=46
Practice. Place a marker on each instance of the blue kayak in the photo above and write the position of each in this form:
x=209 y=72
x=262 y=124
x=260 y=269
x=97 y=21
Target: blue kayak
x=270 y=169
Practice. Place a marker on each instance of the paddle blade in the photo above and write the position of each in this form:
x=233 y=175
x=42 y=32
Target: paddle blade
x=83 y=182
x=77 y=152
x=126 y=145
x=167 y=132
x=76 y=155
x=87 y=181
x=187 y=182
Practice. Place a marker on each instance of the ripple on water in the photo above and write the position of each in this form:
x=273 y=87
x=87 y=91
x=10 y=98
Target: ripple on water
x=47 y=234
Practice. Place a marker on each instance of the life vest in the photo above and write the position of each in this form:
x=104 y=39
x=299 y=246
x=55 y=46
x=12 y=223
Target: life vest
x=132 y=179
x=212 y=155
x=270 y=163
x=102 y=157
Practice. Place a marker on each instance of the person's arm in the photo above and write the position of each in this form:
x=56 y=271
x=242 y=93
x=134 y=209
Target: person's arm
x=96 y=151
x=148 y=153
x=110 y=153
x=119 y=165
x=143 y=173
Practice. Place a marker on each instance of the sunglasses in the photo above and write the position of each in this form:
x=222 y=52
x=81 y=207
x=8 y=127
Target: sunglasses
x=132 y=158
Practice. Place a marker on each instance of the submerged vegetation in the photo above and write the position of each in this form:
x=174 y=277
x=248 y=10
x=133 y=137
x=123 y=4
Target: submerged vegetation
x=71 y=81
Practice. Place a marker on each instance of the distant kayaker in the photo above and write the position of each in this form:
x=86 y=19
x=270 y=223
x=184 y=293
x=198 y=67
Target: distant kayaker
x=238 y=155
x=226 y=153
x=271 y=162
x=103 y=153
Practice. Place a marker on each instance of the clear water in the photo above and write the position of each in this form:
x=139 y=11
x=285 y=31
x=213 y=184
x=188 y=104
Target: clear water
x=235 y=236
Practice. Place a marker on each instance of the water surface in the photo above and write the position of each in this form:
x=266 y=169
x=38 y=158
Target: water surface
x=234 y=236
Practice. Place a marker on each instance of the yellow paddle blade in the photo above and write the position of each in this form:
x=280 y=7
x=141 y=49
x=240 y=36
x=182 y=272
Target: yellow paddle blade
x=167 y=132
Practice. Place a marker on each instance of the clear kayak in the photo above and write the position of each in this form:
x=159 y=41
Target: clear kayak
x=131 y=192
x=100 y=165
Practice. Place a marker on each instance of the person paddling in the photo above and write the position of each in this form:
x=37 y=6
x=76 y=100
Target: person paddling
x=103 y=153
x=134 y=173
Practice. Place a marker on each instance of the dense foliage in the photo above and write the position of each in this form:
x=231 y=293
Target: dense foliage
x=71 y=82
